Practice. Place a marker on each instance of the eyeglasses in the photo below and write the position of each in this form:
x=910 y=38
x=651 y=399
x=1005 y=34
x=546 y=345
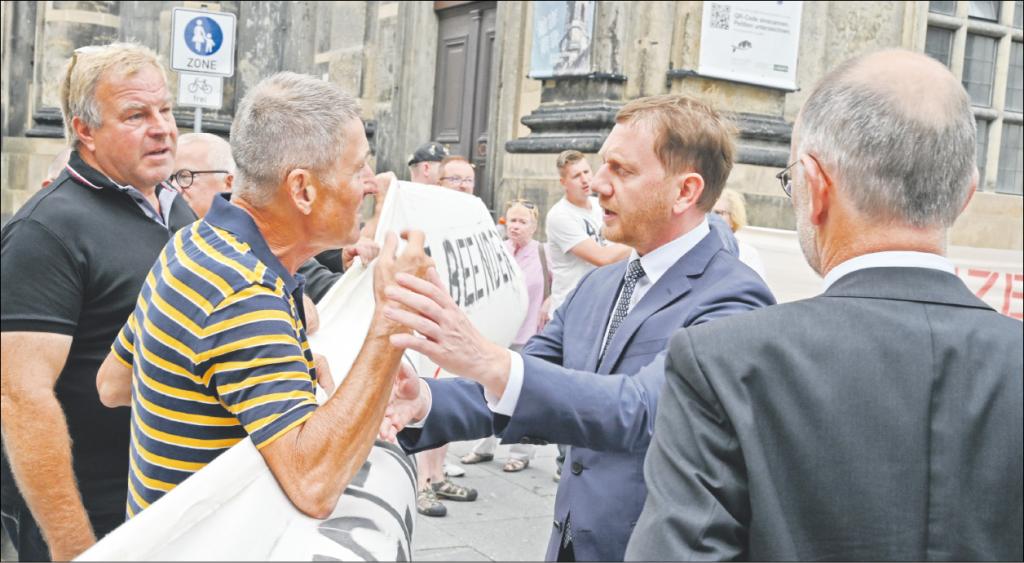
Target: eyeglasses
x=721 y=212
x=786 y=179
x=183 y=178
x=458 y=180
x=87 y=50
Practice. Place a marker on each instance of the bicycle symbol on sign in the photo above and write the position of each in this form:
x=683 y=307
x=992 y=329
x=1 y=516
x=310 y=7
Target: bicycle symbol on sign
x=200 y=84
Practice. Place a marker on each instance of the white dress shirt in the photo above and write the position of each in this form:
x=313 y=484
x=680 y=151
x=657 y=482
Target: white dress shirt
x=655 y=264
x=888 y=259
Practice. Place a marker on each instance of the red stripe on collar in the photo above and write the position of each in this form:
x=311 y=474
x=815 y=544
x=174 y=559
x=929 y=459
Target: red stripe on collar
x=74 y=173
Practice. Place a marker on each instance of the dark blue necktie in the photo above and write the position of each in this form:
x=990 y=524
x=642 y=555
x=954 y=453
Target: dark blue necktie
x=634 y=271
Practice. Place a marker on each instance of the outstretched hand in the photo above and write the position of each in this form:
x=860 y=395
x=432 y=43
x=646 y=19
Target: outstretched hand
x=446 y=335
x=410 y=402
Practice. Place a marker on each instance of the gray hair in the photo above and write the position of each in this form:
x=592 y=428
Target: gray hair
x=218 y=151
x=287 y=121
x=83 y=72
x=894 y=165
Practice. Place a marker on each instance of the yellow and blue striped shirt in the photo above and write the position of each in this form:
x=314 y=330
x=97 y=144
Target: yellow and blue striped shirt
x=218 y=352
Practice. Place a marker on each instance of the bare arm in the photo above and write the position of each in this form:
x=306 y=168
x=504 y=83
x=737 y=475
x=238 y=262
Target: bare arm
x=383 y=181
x=114 y=382
x=315 y=461
x=36 y=439
x=600 y=255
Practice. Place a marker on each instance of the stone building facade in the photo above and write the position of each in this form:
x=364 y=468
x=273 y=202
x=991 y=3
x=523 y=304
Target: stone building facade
x=457 y=72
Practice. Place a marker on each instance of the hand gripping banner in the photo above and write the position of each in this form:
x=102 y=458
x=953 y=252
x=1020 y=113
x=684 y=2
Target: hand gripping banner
x=233 y=509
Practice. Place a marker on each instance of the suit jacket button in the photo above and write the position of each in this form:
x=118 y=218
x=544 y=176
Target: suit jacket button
x=577 y=468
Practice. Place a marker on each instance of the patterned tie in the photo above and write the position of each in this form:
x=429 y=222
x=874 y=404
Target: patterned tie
x=633 y=274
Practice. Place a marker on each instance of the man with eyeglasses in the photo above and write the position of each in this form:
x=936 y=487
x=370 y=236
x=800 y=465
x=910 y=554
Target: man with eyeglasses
x=882 y=419
x=73 y=260
x=456 y=173
x=204 y=168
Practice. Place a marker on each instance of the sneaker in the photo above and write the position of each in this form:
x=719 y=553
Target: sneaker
x=448 y=490
x=454 y=471
x=427 y=503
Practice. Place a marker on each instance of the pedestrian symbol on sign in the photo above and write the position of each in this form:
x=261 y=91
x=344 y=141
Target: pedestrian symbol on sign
x=203 y=36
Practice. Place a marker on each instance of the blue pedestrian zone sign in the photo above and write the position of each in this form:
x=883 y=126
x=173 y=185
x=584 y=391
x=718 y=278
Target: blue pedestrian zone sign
x=203 y=36
x=203 y=42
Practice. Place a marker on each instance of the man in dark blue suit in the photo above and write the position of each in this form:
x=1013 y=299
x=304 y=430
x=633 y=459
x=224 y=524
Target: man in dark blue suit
x=583 y=380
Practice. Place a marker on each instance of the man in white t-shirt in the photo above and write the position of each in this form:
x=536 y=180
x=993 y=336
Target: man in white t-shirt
x=575 y=244
x=574 y=230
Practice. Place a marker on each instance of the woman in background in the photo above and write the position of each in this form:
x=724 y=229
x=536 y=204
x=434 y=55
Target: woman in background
x=520 y=226
x=733 y=209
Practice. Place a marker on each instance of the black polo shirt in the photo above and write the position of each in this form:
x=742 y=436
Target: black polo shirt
x=72 y=261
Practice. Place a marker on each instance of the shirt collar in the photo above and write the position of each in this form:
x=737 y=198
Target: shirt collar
x=236 y=221
x=92 y=178
x=659 y=260
x=888 y=259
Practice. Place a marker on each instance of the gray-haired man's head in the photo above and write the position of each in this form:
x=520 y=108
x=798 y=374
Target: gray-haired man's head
x=203 y=168
x=288 y=121
x=896 y=131
x=302 y=157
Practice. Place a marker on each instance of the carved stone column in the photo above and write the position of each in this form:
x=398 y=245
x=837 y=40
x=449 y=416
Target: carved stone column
x=65 y=27
x=577 y=112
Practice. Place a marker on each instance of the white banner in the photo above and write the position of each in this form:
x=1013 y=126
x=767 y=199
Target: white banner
x=751 y=42
x=233 y=509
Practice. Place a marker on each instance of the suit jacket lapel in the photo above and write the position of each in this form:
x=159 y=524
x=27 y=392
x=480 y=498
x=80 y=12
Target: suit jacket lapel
x=673 y=285
x=601 y=307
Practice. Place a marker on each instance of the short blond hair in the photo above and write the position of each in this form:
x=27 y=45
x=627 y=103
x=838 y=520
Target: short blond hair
x=83 y=72
x=737 y=208
x=567 y=158
x=689 y=136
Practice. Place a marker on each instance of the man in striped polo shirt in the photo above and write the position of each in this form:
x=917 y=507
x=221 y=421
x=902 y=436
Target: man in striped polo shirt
x=216 y=348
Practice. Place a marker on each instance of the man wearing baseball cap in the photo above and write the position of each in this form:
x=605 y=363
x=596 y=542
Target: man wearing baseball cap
x=425 y=163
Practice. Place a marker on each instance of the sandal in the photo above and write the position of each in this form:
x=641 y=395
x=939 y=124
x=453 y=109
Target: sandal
x=473 y=457
x=514 y=465
x=448 y=490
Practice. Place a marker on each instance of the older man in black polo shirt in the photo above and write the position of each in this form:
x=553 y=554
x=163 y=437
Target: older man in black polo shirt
x=72 y=262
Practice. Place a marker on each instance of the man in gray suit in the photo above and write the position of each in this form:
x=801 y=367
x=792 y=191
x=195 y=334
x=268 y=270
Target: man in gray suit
x=881 y=419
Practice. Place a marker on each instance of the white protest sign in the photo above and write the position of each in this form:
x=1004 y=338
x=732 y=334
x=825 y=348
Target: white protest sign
x=751 y=42
x=471 y=259
x=203 y=42
x=201 y=91
x=233 y=509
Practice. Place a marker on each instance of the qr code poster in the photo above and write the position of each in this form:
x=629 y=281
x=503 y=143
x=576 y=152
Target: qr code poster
x=751 y=42
x=720 y=15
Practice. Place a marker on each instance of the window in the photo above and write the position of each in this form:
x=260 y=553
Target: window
x=948 y=8
x=1015 y=81
x=980 y=68
x=980 y=42
x=939 y=44
x=984 y=10
x=982 y=149
x=1011 y=160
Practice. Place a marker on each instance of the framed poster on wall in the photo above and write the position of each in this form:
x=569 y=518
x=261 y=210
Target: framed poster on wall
x=751 y=42
x=563 y=33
